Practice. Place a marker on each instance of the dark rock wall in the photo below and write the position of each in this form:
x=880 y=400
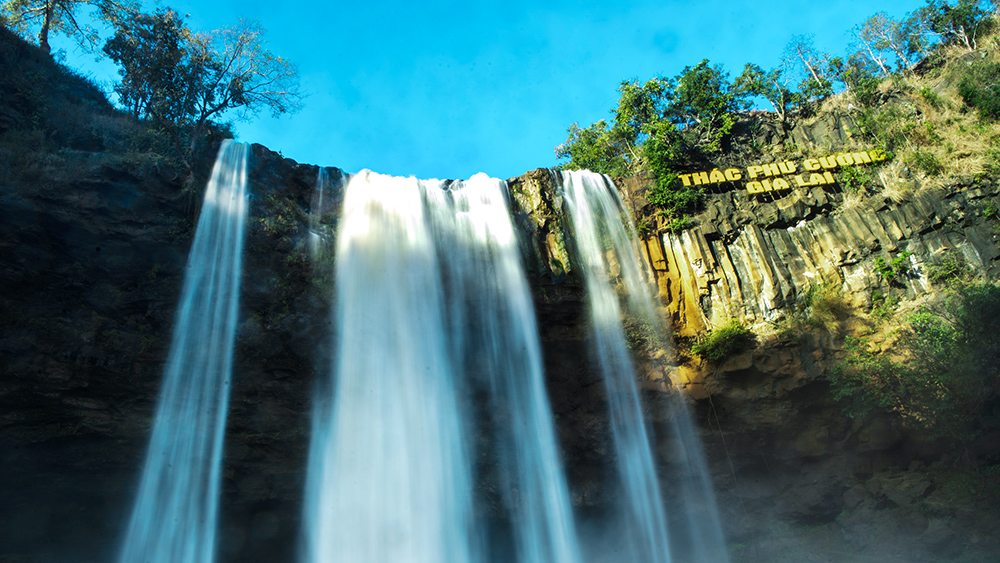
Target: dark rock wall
x=91 y=270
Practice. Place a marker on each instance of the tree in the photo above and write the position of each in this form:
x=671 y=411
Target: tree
x=594 y=148
x=44 y=17
x=859 y=77
x=874 y=36
x=240 y=75
x=661 y=126
x=800 y=54
x=772 y=85
x=960 y=24
x=187 y=80
x=704 y=106
x=155 y=69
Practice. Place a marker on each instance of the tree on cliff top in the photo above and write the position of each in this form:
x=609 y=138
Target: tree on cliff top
x=182 y=80
x=660 y=126
x=240 y=75
x=961 y=24
x=41 y=18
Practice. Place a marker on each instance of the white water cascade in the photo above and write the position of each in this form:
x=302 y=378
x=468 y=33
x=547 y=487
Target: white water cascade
x=610 y=264
x=325 y=199
x=431 y=307
x=174 y=519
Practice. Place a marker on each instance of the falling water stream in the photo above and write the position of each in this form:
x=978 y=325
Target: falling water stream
x=175 y=512
x=611 y=266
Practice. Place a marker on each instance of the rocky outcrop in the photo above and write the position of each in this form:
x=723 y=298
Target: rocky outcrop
x=755 y=258
x=795 y=476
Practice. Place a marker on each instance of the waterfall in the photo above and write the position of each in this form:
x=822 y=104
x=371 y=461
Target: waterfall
x=325 y=199
x=175 y=512
x=431 y=309
x=610 y=265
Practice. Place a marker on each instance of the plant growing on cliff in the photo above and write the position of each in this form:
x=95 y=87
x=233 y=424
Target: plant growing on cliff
x=980 y=89
x=661 y=126
x=893 y=270
x=827 y=307
x=772 y=85
x=725 y=341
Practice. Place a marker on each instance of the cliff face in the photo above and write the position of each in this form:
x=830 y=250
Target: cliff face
x=797 y=479
x=94 y=246
x=92 y=268
x=91 y=272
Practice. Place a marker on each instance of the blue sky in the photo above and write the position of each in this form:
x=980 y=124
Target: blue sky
x=447 y=89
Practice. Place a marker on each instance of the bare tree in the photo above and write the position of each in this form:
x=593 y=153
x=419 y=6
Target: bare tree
x=62 y=16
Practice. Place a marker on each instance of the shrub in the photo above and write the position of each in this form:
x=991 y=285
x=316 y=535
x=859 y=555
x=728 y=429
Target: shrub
x=947 y=382
x=856 y=179
x=950 y=271
x=893 y=270
x=980 y=89
x=927 y=162
x=826 y=307
x=883 y=306
x=724 y=341
x=931 y=97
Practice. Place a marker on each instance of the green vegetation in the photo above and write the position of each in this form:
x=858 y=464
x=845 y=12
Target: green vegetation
x=944 y=375
x=668 y=126
x=661 y=126
x=724 y=341
x=883 y=306
x=826 y=307
x=895 y=269
x=179 y=80
x=176 y=84
x=57 y=124
x=980 y=89
x=856 y=179
x=951 y=271
x=41 y=18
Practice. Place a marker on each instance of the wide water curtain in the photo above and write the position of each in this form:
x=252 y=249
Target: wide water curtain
x=432 y=307
x=610 y=265
x=175 y=515
x=389 y=478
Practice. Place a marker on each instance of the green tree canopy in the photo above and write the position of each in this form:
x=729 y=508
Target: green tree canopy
x=183 y=80
x=41 y=18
